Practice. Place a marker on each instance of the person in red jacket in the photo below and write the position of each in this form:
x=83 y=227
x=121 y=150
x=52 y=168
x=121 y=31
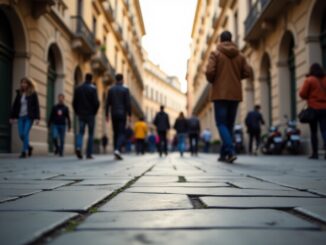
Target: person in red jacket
x=314 y=92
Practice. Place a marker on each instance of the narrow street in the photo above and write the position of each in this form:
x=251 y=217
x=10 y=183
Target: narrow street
x=173 y=200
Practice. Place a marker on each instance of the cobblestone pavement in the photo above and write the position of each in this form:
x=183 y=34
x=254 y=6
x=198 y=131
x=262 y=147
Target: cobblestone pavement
x=173 y=200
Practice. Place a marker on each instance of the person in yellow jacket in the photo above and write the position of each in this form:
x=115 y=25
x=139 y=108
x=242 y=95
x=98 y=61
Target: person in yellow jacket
x=140 y=133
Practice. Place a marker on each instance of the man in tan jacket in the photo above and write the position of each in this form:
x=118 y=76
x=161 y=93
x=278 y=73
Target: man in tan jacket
x=225 y=70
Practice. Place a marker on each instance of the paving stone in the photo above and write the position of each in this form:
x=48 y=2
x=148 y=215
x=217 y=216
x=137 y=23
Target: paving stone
x=108 y=181
x=316 y=211
x=219 y=191
x=223 y=218
x=24 y=227
x=193 y=237
x=135 y=201
x=261 y=202
x=185 y=184
x=36 y=184
x=17 y=192
x=258 y=185
x=57 y=201
x=89 y=188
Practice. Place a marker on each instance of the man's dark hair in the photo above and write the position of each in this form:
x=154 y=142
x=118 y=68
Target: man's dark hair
x=257 y=107
x=316 y=70
x=162 y=107
x=119 y=77
x=226 y=36
x=88 y=77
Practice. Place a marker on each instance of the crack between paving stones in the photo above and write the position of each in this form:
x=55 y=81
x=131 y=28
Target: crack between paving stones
x=311 y=219
x=71 y=224
x=196 y=202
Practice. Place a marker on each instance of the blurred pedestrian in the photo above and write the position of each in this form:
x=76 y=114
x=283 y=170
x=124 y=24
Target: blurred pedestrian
x=225 y=70
x=58 y=122
x=254 y=121
x=141 y=131
x=181 y=126
x=118 y=105
x=314 y=92
x=129 y=139
x=105 y=142
x=25 y=110
x=194 y=133
x=162 y=123
x=207 y=138
x=151 y=139
x=86 y=105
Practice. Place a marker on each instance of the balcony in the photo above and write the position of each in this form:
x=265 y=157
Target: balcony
x=262 y=16
x=119 y=31
x=84 y=40
x=40 y=7
x=99 y=62
x=215 y=21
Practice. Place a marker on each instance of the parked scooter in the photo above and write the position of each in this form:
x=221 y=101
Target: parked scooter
x=238 y=139
x=292 y=138
x=273 y=143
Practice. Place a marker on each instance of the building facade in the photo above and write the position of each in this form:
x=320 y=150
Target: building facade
x=161 y=89
x=56 y=42
x=280 y=39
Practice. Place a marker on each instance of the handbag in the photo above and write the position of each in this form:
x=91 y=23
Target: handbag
x=307 y=115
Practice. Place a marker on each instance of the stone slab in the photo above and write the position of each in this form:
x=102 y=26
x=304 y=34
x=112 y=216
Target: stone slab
x=193 y=237
x=261 y=202
x=24 y=227
x=108 y=181
x=40 y=185
x=57 y=201
x=135 y=201
x=187 y=219
x=219 y=191
x=316 y=211
x=258 y=185
x=185 y=184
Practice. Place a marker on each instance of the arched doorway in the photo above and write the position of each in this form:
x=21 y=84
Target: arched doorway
x=323 y=39
x=54 y=81
x=266 y=89
x=287 y=78
x=6 y=69
x=78 y=79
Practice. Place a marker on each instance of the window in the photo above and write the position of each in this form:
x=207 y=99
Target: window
x=94 y=26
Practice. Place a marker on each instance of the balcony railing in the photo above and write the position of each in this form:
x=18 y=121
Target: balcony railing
x=82 y=33
x=109 y=10
x=257 y=9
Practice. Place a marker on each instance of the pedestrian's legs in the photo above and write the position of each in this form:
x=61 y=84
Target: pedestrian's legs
x=322 y=123
x=314 y=138
x=62 y=133
x=221 y=118
x=115 y=124
x=24 y=127
x=80 y=136
x=257 y=136
x=232 y=108
x=143 y=146
x=196 y=139
x=121 y=128
x=191 y=144
x=251 y=139
x=138 y=146
x=91 y=127
x=181 y=143
x=55 y=135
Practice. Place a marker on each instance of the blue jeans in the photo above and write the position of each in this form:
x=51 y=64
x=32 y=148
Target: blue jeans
x=24 y=127
x=90 y=123
x=59 y=132
x=181 y=143
x=225 y=115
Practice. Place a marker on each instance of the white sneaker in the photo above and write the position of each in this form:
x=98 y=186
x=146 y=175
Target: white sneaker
x=117 y=155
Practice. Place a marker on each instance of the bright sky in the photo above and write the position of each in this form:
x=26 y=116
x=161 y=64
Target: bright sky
x=168 y=26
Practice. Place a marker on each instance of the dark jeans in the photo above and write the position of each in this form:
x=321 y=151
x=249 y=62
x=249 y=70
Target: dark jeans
x=254 y=135
x=225 y=115
x=119 y=130
x=321 y=120
x=140 y=146
x=207 y=147
x=163 y=144
x=193 y=140
x=90 y=123
x=58 y=135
